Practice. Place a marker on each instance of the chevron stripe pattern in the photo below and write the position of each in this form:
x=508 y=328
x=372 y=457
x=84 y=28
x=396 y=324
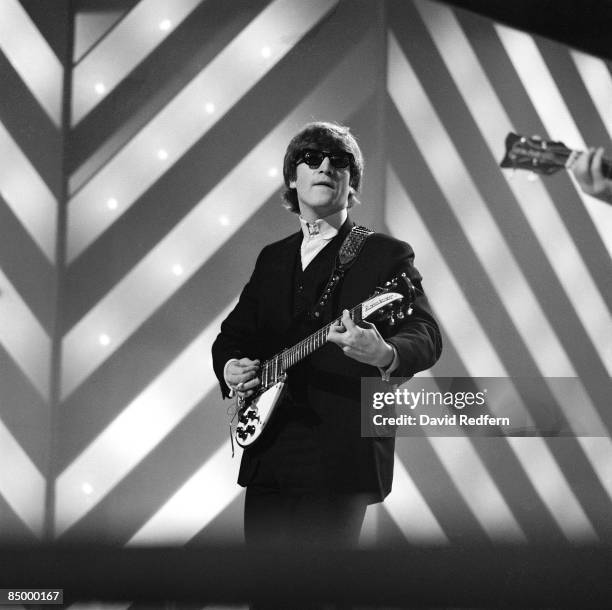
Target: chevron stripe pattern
x=131 y=223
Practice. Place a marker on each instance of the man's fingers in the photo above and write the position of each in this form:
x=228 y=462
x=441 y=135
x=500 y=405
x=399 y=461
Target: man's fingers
x=595 y=166
x=249 y=385
x=346 y=320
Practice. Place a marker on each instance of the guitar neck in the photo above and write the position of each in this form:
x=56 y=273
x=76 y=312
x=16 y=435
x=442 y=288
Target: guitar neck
x=273 y=370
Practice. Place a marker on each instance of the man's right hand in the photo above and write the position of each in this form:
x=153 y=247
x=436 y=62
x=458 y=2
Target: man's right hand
x=242 y=376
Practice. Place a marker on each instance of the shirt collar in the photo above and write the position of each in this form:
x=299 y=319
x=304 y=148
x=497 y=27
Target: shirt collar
x=326 y=228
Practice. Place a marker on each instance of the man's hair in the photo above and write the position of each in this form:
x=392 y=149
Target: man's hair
x=326 y=136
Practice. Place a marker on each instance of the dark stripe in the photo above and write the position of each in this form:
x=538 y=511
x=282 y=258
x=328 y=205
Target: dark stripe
x=154 y=83
x=573 y=91
x=30 y=127
x=517 y=490
x=430 y=476
x=585 y=484
x=26 y=267
x=52 y=24
x=23 y=411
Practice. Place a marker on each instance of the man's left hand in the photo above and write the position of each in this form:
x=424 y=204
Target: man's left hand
x=362 y=344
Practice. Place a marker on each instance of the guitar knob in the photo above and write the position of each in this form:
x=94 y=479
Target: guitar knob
x=250 y=429
x=400 y=315
x=391 y=320
x=252 y=415
x=243 y=419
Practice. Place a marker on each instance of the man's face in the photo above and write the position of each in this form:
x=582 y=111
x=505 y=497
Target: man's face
x=322 y=189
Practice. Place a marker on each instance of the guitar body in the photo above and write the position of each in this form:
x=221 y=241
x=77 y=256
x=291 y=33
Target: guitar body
x=256 y=412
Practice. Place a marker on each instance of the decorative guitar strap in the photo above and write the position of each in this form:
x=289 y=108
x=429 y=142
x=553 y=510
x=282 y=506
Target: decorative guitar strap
x=348 y=253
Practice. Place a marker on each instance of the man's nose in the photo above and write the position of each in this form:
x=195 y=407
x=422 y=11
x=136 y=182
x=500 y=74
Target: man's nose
x=326 y=166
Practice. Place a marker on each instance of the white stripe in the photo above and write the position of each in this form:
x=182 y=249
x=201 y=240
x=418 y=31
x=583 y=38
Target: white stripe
x=551 y=108
x=548 y=479
x=477 y=488
x=199 y=500
x=410 y=511
x=137 y=430
x=24 y=338
x=208 y=226
x=184 y=120
x=32 y=58
x=21 y=483
x=598 y=82
x=136 y=35
x=444 y=292
x=543 y=216
x=27 y=194
x=461 y=324
x=533 y=198
x=474 y=217
x=409 y=93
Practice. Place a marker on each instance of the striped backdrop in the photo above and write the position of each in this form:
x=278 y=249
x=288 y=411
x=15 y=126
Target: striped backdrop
x=130 y=224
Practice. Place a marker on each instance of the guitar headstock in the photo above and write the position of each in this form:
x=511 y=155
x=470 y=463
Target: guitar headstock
x=390 y=303
x=535 y=154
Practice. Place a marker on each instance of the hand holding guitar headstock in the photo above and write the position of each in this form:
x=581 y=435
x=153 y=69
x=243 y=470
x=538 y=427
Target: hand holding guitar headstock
x=592 y=171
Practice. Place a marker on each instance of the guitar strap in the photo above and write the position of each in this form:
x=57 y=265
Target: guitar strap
x=348 y=253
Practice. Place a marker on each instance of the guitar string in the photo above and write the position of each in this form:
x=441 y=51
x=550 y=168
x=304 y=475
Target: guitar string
x=296 y=353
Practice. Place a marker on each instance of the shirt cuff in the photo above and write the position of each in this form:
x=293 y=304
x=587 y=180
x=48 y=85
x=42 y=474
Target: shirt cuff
x=386 y=372
x=231 y=389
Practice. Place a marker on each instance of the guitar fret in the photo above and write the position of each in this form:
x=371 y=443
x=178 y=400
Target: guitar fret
x=274 y=368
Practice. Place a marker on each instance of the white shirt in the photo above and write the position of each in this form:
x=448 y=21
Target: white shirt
x=318 y=233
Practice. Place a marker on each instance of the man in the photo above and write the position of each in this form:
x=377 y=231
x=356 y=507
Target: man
x=589 y=171
x=310 y=475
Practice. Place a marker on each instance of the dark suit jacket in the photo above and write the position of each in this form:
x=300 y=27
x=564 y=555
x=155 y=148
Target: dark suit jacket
x=326 y=388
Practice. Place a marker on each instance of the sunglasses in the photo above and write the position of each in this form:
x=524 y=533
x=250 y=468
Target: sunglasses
x=313 y=158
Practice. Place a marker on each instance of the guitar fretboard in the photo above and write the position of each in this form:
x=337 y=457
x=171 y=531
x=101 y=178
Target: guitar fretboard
x=272 y=370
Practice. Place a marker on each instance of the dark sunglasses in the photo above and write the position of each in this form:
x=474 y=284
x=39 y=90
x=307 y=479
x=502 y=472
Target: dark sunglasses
x=313 y=158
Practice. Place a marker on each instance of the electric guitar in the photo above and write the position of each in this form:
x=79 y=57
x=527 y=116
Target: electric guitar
x=542 y=156
x=391 y=303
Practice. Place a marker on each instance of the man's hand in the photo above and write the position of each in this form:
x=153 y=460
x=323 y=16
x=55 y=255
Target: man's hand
x=588 y=172
x=362 y=344
x=242 y=376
